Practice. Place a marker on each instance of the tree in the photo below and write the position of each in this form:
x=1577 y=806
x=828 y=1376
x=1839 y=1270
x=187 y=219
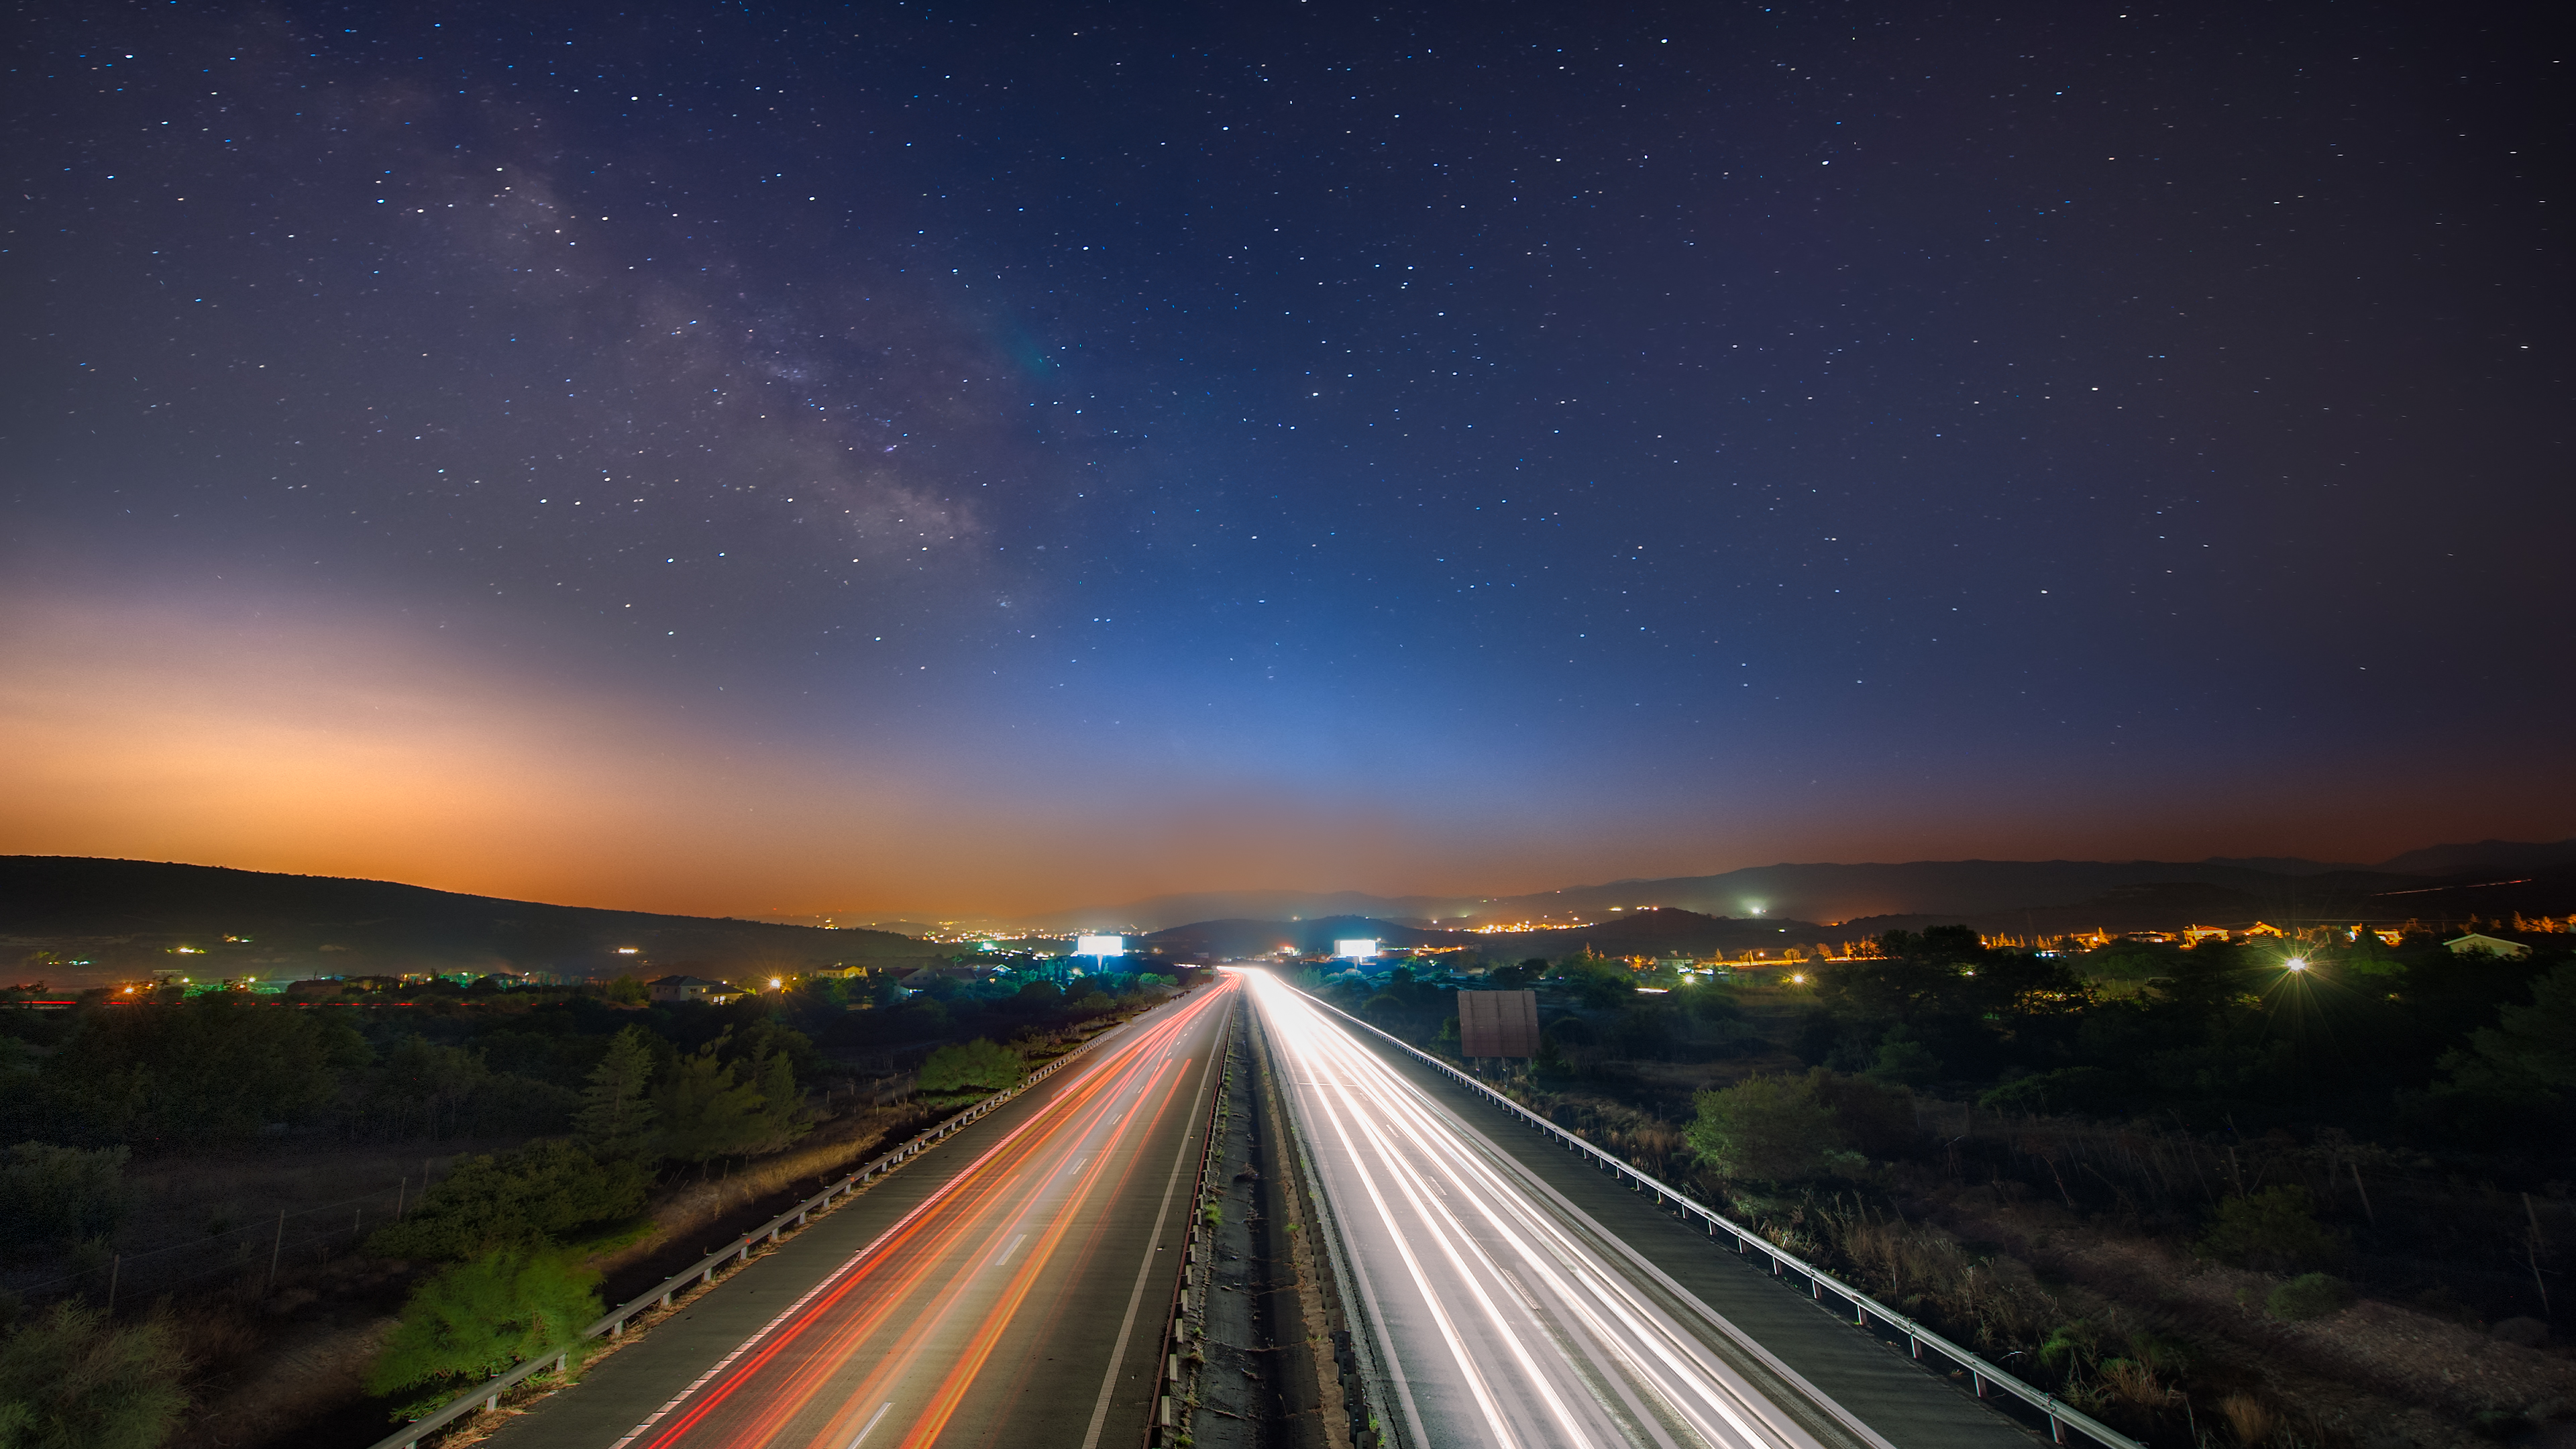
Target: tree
x=706 y=1113
x=55 y=1195
x=2532 y=1047
x=1905 y=1061
x=1869 y=1116
x=628 y=990
x=74 y=1380
x=531 y=1198
x=203 y=1074
x=1765 y=1129
x=480 y=1318
x=782 y=1106
x=616 y=1114
x=425 y=1083
x=978 y=1065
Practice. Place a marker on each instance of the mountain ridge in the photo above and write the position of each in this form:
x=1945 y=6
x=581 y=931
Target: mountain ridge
x=129 y=917
x=1830 y=891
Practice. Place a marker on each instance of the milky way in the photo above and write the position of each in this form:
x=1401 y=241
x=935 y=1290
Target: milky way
x=909 y=455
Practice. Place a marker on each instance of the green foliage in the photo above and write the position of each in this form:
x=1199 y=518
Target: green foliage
x=2067 y=1089
x=2310 y=1295
x=2275 y=1230
x=1597 y=981
x=209 y=1073
x=1764 y=1129
x=708 y=1110
x=980 y=1065
x=781 y=1104
x=1712 y=1003
x=628 y=990
x=52 y=1195
x=616 y=1116
x=2072 y=1348
x=476 y=1319
x=74 y=1380
x=2531 y=1047
x=530 y=1198
x=1905 y=1061
x=423 y=1086
x=1872 y=1117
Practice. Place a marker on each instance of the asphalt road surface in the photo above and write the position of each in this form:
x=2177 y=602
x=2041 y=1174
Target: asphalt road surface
x=1505 y=1315
x=1006 y=1288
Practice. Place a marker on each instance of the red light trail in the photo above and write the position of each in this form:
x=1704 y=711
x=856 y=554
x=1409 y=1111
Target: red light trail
x=1003 y=1266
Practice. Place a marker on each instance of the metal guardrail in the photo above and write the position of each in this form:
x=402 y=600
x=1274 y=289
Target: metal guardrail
x=1982 y=1374
x=1187 y=1300
x=487 y=1394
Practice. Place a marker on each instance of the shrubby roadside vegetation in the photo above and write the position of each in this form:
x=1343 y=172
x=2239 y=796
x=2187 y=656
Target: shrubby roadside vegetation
x=581 y=1109
x=2120 y=1168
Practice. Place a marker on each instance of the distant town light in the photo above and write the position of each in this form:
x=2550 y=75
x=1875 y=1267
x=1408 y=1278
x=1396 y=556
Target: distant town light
x=628 y=950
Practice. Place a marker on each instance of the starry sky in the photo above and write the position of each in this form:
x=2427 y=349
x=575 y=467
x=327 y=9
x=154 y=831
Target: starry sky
x=739 y=458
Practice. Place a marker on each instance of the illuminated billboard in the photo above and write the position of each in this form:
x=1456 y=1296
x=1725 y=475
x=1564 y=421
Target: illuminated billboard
x=1356 y=950
x=1100 y=945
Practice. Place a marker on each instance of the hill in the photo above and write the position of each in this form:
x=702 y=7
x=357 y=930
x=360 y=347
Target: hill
x=128 y=917
x=1239 y=937
x=1955 y=889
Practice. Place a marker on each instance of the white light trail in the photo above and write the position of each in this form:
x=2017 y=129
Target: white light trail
x=1512 y=1328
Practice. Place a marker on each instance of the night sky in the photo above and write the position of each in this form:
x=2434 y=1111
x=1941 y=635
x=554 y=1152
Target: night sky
x=746 y=458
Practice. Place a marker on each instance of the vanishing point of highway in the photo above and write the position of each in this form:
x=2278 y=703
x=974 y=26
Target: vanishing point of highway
x=1008 y=1288
x=1012 y=1287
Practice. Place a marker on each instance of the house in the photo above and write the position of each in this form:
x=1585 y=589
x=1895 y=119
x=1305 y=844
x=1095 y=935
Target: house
x=915 y=980
x=690 y=988
x=2474 y=944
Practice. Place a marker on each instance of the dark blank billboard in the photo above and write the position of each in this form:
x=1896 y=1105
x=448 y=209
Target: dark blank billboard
x=1498 y=1023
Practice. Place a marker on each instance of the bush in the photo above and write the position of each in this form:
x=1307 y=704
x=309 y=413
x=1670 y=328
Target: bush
x=2275 y=1230
x=54 y=1195
x=1868 y=1115
x=1765 y=1128
x=979 y=1065
x=73 y=1380
x=1905 y=1061
x=477 y=1319
x=2310 y=1295
x=530 y=1198
x=2067 y=1089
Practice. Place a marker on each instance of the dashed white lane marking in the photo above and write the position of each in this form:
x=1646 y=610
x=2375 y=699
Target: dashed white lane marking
x=870 y=1424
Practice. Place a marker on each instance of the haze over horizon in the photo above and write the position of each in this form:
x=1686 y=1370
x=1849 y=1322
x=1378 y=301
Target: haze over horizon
x=894 y=461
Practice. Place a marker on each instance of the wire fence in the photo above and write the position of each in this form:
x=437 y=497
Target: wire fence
x=256 y=1253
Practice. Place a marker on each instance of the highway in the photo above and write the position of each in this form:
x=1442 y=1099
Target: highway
x=1504 y=1315
x=1011 y=1294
